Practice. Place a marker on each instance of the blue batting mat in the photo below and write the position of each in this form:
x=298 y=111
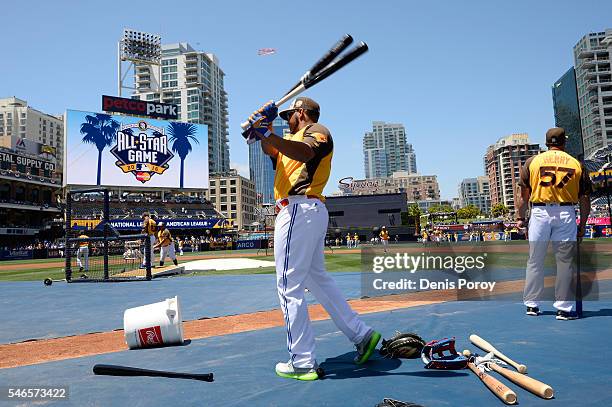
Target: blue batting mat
x=560 y=353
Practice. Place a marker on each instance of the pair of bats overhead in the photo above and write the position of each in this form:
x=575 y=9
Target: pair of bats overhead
x=323 y=68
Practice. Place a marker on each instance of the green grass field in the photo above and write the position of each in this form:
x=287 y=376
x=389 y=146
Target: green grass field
x=339 y=261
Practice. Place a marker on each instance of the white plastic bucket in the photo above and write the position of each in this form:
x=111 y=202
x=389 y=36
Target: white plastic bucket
x=154 y=324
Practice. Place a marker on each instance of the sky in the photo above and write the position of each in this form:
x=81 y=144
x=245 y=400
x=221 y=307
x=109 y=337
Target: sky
x=458 y=75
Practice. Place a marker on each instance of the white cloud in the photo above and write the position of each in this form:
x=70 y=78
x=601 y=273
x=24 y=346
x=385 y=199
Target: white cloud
x=243 y=169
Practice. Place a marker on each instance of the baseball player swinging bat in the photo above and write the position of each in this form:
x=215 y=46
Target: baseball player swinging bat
x=498 y=388
x=114 y=370
x=322 y=69
x=487 y=347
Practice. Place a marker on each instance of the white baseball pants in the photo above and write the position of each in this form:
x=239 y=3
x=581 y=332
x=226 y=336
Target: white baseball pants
x=167 y=251
x=556 y=224
x=83 y=258
x=299 y=237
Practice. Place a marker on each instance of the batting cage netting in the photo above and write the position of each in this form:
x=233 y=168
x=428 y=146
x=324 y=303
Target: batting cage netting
x=95 y=251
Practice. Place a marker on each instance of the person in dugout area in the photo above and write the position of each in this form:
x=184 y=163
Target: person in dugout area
x=349 y=241
x=355 y=240
x=165 y=243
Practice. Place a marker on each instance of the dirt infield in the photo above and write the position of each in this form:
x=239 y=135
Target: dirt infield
x=47 y=350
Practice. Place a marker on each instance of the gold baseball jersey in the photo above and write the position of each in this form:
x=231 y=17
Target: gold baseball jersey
x=164 y=237
x=297 y=178
x=555 y=177
x=149 y=227
x=83 y=244
x=384 y=235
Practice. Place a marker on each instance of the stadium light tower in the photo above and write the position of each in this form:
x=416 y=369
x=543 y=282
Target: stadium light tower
x=136 y=47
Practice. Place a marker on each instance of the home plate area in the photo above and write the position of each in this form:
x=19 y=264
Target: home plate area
x=226 y=264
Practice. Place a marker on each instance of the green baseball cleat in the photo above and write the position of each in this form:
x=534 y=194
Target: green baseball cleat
x=366 y=347
x=289 y=371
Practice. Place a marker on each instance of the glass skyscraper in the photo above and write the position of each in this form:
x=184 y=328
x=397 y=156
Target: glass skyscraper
x=567 y=113
x=260 y=165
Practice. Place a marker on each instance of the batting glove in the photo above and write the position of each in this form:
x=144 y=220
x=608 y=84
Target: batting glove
x=260 y=123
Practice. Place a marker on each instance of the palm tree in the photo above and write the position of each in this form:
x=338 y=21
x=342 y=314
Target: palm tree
x=100 y=130
x=181 y=135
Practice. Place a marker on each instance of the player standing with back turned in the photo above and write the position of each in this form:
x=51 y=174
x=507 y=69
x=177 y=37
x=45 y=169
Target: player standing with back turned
x=552 y=183
x=302 y=161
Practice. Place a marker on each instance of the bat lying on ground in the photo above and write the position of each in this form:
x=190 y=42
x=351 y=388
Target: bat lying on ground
x=487 y=347
x=528 y=383
x=114 y=370
x=323 y=68
x=498 y=388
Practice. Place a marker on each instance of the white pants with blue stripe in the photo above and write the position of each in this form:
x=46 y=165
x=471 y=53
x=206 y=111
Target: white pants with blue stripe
x=556 y=224
x=299 y=239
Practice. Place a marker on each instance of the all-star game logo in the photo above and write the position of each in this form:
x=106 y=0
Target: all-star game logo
x=142 y=149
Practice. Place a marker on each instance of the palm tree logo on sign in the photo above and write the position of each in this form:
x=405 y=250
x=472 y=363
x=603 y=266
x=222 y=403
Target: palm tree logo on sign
x=142 y=149
x=100 y=130
x=181 y=136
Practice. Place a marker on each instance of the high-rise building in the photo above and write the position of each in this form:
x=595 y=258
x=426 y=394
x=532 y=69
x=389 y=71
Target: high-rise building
x=234 y=197
x=592 y=55
x=567 y=113
x=260 y=166
x=192 y=80
x=386 y=151
x=475 y=191
x=30 y=131
x=503 y=161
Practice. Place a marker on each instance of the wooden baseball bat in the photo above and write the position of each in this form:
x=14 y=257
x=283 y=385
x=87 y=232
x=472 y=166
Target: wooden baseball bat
x=528 y=383
x=114 y=370
x=487 y=347
x=315 y=77
x=498 y=388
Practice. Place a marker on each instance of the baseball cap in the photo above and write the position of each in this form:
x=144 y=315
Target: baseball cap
x=555 y=136
x=300 y=103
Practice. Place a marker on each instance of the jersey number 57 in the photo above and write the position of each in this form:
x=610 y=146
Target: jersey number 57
x=548 y=176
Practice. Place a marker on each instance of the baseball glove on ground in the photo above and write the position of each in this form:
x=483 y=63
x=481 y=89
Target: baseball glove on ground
x=402 y=345
x=396 y=403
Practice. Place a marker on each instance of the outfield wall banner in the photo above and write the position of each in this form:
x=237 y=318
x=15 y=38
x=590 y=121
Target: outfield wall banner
x=127 y=151
x=16 y=254
x=130 y=224
x=250 y=244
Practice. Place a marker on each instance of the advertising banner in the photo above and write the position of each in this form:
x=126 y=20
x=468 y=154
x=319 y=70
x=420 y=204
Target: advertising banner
x=139 y=107
x=121 y=151
x=131 y=224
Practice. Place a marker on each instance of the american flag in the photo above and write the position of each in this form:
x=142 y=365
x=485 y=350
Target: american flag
x=266 y=51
